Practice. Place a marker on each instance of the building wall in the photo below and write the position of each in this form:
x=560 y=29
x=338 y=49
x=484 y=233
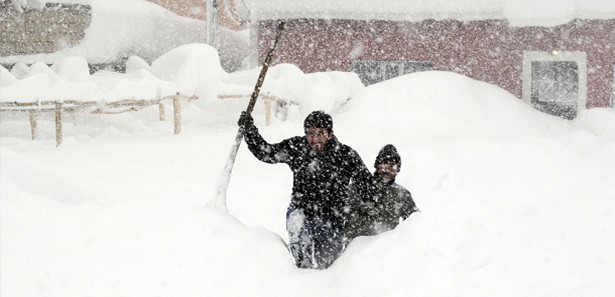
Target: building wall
x=227 y=11
x=490 y=51
x=42 y=31
x=189 y=8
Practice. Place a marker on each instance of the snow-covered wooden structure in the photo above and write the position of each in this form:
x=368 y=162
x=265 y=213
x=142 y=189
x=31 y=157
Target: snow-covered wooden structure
x=59 y=107
x=559 y=58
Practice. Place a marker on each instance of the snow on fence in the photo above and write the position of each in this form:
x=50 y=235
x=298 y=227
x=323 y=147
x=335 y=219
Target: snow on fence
x=281 y=105
x=114 y=107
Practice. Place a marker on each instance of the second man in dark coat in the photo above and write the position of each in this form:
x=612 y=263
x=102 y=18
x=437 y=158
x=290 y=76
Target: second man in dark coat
x=394 y=204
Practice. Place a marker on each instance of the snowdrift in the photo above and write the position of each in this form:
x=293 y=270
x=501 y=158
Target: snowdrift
x=513 y=202
x=449 y=105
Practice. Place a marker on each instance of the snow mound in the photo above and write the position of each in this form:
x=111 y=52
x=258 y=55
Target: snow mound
x=309 y=91
x=70 y=79
x=135 y=63
x=117 y=249
x=72 y=69
x=506 y=210
x=599 y=121
x=49 y=183
x=19 y=70
x=195 y=68
x=40 y=68
x=141 y=84
x=344 y=85
x=6 y=78
x=464 y=108
x=31 y=88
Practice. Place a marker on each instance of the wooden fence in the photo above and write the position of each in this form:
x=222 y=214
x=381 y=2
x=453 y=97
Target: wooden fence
x=120 y=106
x=268 y=100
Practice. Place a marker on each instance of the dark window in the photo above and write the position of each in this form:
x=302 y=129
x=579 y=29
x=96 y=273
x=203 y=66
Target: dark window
x=372 y=72
x=555 y=87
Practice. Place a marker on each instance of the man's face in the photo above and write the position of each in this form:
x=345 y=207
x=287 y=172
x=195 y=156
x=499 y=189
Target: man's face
x=317 y=138
x=387 y=171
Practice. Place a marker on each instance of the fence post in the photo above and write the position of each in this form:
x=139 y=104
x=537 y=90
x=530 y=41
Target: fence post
x=59 y=135
x=161 y=111
x=177 y=114
x=33 y=113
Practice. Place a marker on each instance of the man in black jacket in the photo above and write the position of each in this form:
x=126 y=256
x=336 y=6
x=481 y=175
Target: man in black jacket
x=395 y=202
x=322 y=170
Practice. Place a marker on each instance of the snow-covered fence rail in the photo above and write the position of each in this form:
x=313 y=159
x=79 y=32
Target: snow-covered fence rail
x=281 y=105
x=114 y=107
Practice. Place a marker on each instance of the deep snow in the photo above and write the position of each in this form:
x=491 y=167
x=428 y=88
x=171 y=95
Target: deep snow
x=513 y=202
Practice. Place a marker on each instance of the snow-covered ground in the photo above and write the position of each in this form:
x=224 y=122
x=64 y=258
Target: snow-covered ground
x=514 y=202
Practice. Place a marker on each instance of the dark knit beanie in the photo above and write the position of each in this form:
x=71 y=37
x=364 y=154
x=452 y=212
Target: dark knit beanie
x=388 y=155
x=318 y=119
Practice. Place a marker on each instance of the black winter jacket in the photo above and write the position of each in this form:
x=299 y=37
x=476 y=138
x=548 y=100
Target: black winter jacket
x=366 y=219
x=320 y=180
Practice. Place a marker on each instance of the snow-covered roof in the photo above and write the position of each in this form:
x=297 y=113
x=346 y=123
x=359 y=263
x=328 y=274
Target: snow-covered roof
x=125 y=27
x=517 y=12
x=121 y=28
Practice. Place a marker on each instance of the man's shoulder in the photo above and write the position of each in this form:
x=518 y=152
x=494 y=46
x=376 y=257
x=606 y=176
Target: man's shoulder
x=343 y=148
x=295 y=141
x=401 y=190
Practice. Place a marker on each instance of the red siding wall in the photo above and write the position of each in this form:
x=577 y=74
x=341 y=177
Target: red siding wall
x=195 y=9
x=490 y=51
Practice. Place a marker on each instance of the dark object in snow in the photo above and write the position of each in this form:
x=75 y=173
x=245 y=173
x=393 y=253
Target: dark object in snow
x=322 y=171
x=394 y=203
